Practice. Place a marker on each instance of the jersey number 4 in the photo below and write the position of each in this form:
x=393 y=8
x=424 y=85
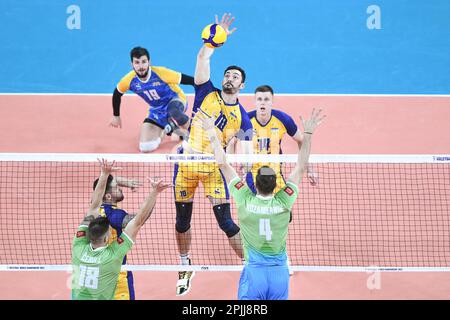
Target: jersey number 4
x=89 y=277
x=264 y=229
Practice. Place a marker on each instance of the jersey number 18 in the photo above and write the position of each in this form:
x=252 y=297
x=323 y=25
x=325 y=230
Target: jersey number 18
x=89 y=277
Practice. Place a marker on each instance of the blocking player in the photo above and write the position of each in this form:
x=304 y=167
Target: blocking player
x=264 y=218
x=269 y=127
x=96 y=264
x=118 y=220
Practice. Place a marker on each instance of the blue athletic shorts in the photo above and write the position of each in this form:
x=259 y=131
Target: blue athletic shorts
x=159 y=116
x=264 y=278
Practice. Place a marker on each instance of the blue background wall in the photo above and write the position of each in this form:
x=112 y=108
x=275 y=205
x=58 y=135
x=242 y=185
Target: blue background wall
x=305 y=46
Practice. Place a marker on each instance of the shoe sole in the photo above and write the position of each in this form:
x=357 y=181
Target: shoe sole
x=189 y=287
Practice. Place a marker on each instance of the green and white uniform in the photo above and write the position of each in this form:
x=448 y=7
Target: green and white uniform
x=95 y=271
x=264 y=227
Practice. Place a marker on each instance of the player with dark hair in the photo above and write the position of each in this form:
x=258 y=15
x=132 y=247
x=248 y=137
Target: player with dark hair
x=159 y=87
x=96 y=264
x=264 y=218
x=231 y=120
x=118 y=219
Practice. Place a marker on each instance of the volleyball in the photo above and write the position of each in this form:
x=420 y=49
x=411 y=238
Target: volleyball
x=214 y=36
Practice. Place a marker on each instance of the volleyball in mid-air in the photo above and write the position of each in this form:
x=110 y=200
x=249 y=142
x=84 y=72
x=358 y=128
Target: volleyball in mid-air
x=214 y=35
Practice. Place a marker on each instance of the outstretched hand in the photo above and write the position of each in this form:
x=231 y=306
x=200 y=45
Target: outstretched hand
x=158 y=185
x=226 y=22
x=311 y=124
x=106 y=167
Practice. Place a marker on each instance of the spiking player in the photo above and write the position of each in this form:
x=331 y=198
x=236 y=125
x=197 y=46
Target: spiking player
x=231 y=120
x=159 y=87
x=264 y=218
x=96 y=264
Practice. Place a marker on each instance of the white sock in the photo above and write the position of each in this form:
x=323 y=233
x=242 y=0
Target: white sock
x=184 y=258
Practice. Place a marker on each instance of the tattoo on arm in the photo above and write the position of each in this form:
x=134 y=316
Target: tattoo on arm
x=87 y=220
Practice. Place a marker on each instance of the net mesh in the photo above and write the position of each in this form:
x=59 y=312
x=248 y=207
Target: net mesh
x=360 y=214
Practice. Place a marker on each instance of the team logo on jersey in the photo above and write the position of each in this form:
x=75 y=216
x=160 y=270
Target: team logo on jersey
x=156 y=83
x=289 y=191
x=238 y=185
x=274 y=129
x=217 y=191
x=119 y=240
x=233 y=115
x=138 y=86
x=81 y=234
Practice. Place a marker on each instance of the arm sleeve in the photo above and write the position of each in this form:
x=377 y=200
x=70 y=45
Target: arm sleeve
x=245 y=132
x=116 y=99
x=288 y=122
x=238 y=190
x=287 y=195
x=185 y=79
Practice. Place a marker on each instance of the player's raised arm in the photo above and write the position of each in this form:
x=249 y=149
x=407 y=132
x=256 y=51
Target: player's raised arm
x=202 y=68
x=99 y=192
x=133 y=227
x=303 y=154
x=312 y=176
x=208 y=125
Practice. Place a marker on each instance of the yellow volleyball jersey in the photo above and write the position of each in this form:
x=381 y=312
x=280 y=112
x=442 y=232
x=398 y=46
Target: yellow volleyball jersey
x=267 y=138
x=230 y=119
x=161 y=87
x=125 y=282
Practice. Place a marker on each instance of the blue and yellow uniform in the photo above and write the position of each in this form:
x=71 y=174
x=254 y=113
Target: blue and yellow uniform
x=231 y=120
x=161 y=87
x=125 y=283
x=267 y=140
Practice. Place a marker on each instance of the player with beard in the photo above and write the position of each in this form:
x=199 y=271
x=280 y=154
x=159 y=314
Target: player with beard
x=231 y=120
x=118 y=219
x=160 y=89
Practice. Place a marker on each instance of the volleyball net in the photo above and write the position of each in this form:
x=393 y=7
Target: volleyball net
x=368 y=212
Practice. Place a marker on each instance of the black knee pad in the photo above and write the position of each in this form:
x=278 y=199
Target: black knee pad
x=223 y=217
x=184 y=215
x=175 y=109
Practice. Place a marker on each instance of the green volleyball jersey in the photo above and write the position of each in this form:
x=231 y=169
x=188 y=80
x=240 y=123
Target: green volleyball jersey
x=95 y=271
x=263 y=220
